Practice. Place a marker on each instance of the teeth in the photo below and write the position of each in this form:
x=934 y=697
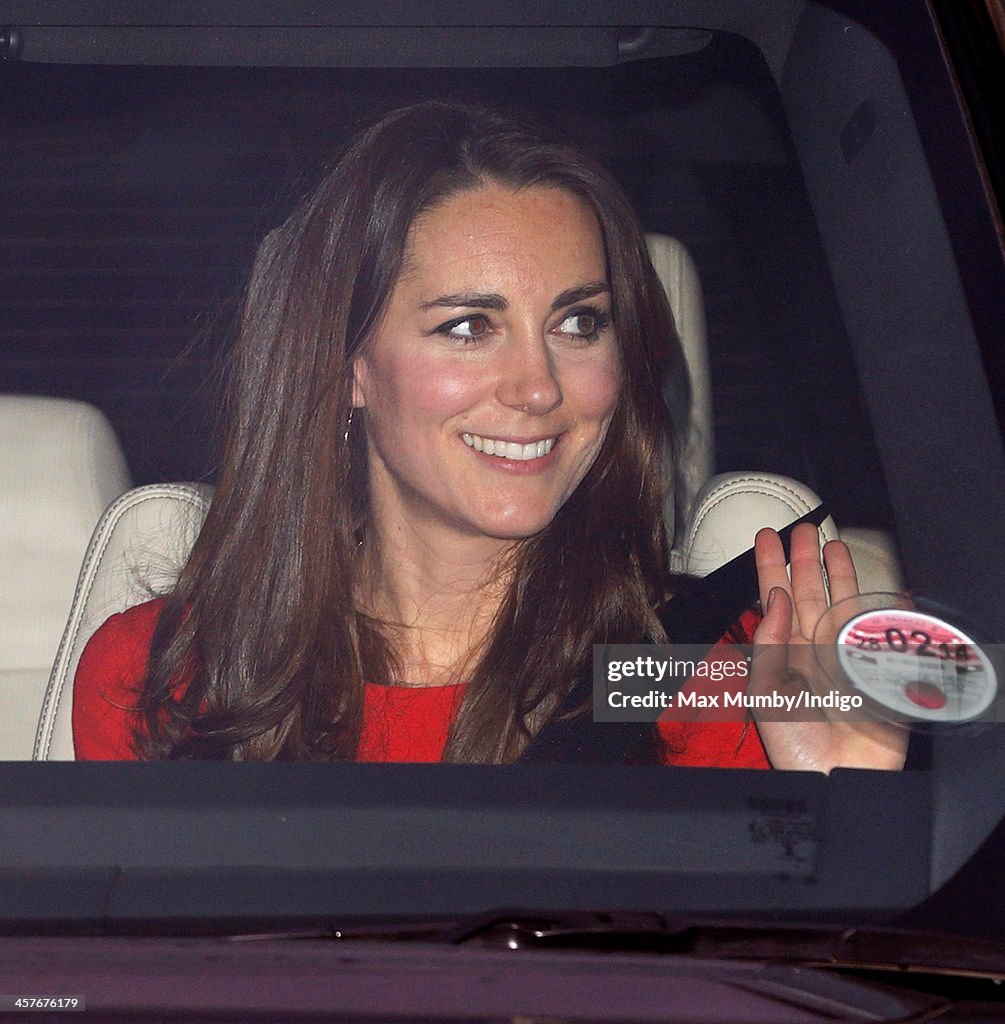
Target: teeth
x=509 y=449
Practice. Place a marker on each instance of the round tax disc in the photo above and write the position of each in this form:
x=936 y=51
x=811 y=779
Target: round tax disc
x=917 y=665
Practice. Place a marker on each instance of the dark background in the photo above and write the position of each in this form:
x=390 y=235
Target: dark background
x=132 y=200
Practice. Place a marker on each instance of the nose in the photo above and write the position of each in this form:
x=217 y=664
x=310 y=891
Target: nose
x=529 y=380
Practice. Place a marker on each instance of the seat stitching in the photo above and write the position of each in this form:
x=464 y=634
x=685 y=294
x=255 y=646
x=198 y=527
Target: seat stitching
x=53 y=696
x=798 y=502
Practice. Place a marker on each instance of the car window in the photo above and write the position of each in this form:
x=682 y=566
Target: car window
x=142 y=235
x=838 y=297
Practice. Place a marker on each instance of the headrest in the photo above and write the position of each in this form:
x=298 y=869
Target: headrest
x=679 y=276
x=60 y=466
x=730 y=509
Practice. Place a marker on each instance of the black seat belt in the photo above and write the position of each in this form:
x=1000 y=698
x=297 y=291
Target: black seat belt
x=700 y=616
x=703 y=613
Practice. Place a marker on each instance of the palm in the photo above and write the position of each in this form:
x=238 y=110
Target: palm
x=784 y=659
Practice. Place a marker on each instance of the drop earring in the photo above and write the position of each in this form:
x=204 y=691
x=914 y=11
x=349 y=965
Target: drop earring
x=348 y=424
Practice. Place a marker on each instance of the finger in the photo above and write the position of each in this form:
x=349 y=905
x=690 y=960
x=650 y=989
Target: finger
x=775 y=626
x=808 y=588
x=769 y=667
x=841 y=573
x=769 y=556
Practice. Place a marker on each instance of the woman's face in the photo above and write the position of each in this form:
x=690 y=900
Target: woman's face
x=491 y=381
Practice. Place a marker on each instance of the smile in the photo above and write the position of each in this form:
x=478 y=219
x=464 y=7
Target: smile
x=509 y=449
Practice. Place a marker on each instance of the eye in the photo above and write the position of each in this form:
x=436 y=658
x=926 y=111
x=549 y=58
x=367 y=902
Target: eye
x=466 y=328
x=585 y=323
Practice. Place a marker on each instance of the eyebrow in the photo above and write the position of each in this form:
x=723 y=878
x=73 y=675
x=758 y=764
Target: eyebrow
x=492 y=300
x=475 y=300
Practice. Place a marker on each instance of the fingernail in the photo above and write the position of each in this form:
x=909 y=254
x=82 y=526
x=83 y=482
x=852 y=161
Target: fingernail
x=771 y=598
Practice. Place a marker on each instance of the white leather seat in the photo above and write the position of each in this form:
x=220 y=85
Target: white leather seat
x=730 y=509
x=696 y=462
x=60 y=466
x=138 y=548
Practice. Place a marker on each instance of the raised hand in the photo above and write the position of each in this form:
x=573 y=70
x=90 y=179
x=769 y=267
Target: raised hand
x=784 y=660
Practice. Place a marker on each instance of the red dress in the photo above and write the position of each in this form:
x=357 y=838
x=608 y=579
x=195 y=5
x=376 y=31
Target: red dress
x=400 y=724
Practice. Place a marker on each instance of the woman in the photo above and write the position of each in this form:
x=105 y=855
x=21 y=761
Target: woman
x=442 y=482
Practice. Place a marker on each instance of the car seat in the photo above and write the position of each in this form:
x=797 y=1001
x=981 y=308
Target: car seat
x=60 y=467
x=691 y=405
x=138 y=549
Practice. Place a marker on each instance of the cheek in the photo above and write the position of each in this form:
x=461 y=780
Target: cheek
x=443 y=391
x=420 y=388
x=597 y=390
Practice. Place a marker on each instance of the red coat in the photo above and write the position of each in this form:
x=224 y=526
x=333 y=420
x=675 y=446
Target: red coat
x=400 y=724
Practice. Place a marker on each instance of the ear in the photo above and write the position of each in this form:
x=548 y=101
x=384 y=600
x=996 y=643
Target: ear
x=359 y=382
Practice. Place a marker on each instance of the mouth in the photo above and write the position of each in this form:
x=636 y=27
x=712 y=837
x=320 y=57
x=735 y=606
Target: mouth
x=513 y=450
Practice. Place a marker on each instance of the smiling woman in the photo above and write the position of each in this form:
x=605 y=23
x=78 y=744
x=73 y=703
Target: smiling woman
x=443 y=480
x=509 y=400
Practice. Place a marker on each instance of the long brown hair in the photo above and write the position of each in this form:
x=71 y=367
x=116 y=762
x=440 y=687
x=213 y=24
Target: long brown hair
x=260 y=652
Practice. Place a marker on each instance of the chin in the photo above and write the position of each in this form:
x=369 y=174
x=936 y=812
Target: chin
x=516 y=525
